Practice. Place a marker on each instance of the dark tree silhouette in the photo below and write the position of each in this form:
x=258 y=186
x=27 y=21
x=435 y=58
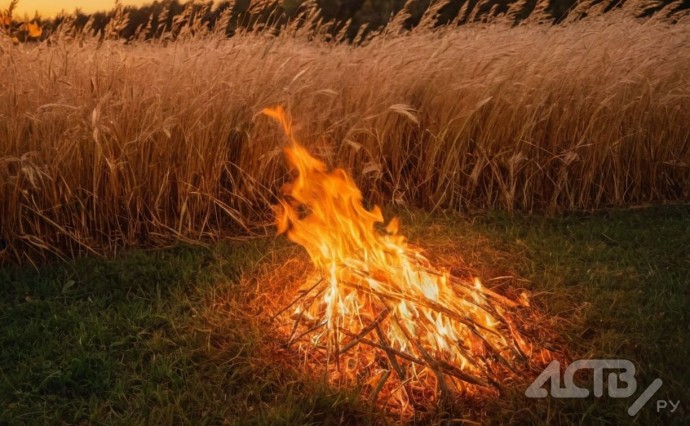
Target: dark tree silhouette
x=340 y=17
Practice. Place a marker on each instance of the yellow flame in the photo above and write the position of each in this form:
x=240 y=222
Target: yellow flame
x=370 y=269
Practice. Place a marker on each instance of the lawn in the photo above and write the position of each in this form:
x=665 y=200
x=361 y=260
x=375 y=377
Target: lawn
x=178 y=335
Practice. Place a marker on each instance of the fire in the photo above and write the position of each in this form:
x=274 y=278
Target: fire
x=376 y=302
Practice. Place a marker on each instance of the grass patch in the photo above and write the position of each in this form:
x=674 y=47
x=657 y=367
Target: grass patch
x=168 y=336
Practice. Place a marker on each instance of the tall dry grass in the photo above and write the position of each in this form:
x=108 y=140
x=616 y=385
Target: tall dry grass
x=105 y=144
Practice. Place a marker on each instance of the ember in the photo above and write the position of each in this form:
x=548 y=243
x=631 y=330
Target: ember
x=377 y=312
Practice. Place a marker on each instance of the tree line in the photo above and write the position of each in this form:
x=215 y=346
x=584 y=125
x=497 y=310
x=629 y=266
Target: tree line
x=342 y=19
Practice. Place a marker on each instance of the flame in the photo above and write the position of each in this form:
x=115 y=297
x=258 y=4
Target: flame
x=373 y=279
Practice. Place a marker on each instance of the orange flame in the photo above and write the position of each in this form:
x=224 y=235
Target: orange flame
x=374 y=278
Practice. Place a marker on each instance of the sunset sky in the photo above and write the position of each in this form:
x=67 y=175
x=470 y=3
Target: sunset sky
x=51 y=7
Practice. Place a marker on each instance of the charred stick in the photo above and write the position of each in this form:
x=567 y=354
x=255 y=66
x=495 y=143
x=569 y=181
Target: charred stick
x=385 y=346
x=311 y=330
x=413 y=359
x=446 y=366
x=294 y=327
x=389 y=353
x=298 y=298
x=431 y=362
x=366 y=330
x=396 y=352
x=301 y=314
x=379 y=386
x=336 y=342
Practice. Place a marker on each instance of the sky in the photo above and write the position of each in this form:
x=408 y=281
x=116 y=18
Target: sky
x=49 y=8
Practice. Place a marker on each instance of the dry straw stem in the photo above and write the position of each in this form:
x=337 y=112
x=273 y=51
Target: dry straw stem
x=105 y=144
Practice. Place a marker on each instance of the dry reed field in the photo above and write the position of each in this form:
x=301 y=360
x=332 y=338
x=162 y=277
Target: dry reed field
x=106 y=144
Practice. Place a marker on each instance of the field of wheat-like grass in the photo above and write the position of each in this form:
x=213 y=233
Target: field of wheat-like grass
x=105 y=144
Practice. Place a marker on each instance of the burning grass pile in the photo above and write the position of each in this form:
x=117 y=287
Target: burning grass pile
x=285 y=288
x=376 y=313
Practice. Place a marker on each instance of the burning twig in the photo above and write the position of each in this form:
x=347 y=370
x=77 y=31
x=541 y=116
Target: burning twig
x=368 y=329
x=303 y=294
x=311 y=330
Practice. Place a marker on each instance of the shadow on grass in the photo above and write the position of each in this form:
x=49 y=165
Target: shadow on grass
x=166 y=336
x=135 y=340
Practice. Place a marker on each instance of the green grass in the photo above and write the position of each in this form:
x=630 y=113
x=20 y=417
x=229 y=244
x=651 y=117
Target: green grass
x=168 y=336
